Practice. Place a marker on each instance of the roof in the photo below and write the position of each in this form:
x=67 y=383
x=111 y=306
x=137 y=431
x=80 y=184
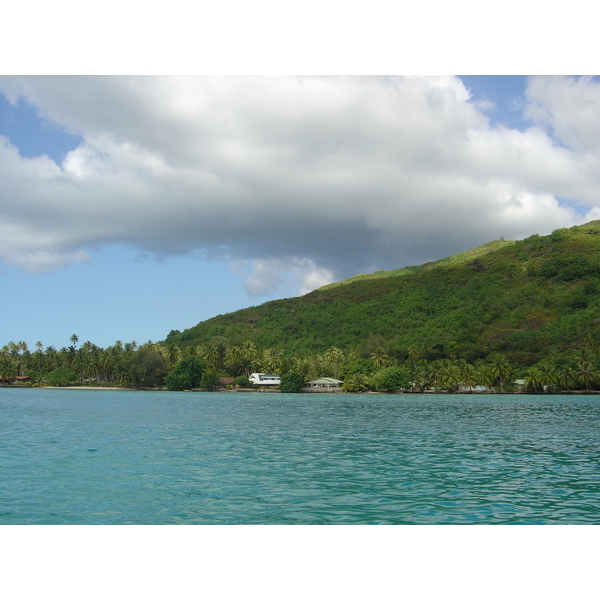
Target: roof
x=265 y=379
x=329 y=380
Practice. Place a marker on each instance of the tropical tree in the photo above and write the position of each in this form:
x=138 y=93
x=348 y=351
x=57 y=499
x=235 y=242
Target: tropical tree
x=567 y=378
x=380 y=358
x=335 y=357
x=272 y=360
x=74 y=339
x=186 y=374
x=145 y=368
x=317 y=365
x=451 y=377
x=173 y=355
x=291 y=383
x=209 y=380
x=248 y=351
x=435 y=374
x=414 y=353
x=8 y=370
x=547 y=376
x=390 y=379
x=533 y=379
x=357 y=382
x=500 y=368
x=586 y=373
x=233 y=354
x=468 y=376
x=210 y=354
x=52 y=357
x=62 y=376
x=484 y=375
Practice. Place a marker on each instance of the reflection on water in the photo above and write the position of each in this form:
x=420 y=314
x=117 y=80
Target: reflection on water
x=116 y=457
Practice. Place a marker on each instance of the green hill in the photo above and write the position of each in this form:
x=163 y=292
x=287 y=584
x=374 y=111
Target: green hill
x=528 y=299
x=461 y=257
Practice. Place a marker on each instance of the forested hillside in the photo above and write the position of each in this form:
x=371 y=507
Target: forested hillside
x=528 y=299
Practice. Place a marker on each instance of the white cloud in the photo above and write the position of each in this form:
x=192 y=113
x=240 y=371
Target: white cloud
x=309 y=178
x=285 y=276
x=570 y=106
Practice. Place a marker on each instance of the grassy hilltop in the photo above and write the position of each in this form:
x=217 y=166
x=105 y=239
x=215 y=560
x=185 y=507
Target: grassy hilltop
x=528 y=299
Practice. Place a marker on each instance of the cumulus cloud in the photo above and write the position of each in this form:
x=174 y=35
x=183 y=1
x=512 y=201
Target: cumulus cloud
x=302 y=179
x=299 y=276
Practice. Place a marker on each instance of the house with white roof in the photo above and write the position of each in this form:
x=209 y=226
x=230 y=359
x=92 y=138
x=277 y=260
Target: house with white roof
x=264 y=379
x=324 y=384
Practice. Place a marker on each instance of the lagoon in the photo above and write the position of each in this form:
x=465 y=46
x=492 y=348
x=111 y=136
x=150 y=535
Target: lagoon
x=126 y=457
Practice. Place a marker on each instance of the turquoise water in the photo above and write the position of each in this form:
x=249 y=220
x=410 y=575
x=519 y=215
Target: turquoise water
x=123 y=457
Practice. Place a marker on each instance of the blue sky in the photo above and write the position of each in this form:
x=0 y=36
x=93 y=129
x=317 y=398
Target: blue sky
x=133 y=206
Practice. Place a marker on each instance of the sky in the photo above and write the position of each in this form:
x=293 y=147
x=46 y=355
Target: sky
x=131 y=206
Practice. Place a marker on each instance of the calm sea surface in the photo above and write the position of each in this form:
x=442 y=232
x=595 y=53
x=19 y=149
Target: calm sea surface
x=121 y=457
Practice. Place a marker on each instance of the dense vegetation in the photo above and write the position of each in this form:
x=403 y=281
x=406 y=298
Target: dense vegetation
x=507 y=310
x=528 y=299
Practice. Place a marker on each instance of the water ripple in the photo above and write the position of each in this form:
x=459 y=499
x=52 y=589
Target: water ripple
x=102 y=457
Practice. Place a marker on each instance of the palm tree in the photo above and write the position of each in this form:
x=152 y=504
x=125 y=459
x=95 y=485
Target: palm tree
x=567 y=378
x=335 y=357
x=233 y=355
x=414 y=354
x=451 y=377
x=210 y=353
x=380 y=358
x=352 y=353
x=547 y=376
x=8 y=370
x=173 y=355
x=272 y=360
x=316 y=365
x=51 y=357
x=357 y=382
x=586 y=373
x=102 y=362
x=244 y=356
x=248 y=351
x=130 y=347
x=500 y=368
x=468 y=376
x=588 y=342
x=436 y=373
x=73 y=339
x=483 y=375
x=302 y=365
x=533 y=378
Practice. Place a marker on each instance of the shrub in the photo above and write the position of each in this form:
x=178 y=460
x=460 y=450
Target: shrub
x=291 y=383
x=390 y=379
x=209 y=380
x=243 y=381
x=62 y=376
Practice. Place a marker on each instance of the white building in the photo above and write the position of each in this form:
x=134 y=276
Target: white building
x=263 y=379
x=324 y=383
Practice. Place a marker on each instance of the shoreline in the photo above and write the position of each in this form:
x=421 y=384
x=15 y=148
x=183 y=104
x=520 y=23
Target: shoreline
x=309 y=391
